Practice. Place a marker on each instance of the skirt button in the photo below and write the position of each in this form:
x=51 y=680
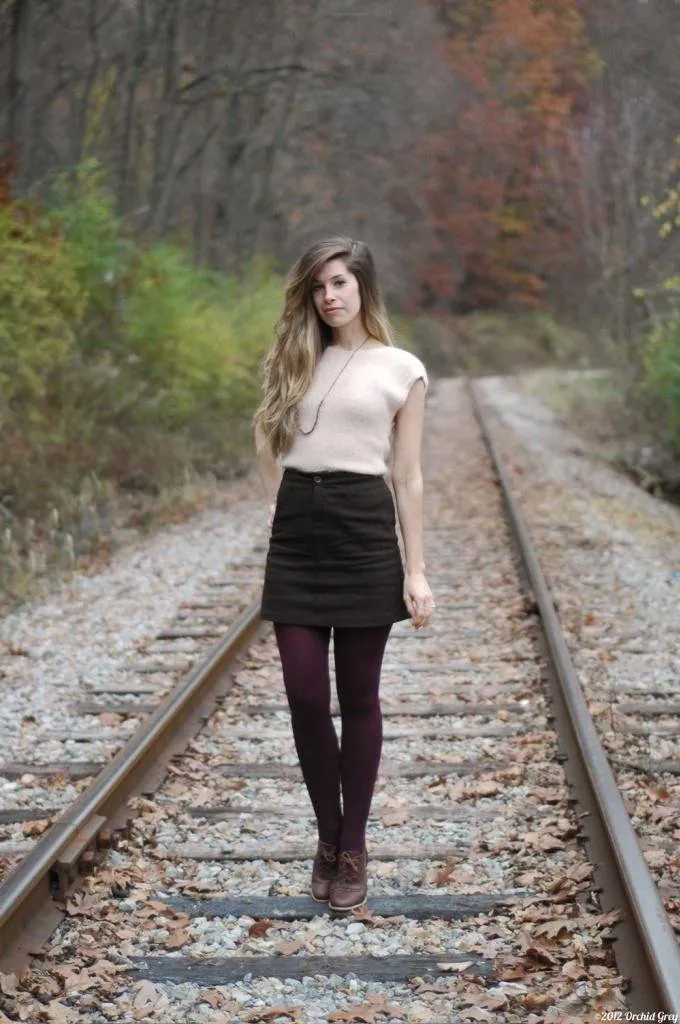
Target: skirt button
x=317 y=479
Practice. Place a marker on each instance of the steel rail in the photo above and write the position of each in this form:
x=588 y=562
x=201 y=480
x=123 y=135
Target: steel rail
x=656 y=982
x=28 y=889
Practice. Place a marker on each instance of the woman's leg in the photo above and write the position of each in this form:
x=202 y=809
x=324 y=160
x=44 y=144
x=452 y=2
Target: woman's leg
x=304 y=660
x=358 y=661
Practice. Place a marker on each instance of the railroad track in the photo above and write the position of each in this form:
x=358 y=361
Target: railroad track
x=493 y=786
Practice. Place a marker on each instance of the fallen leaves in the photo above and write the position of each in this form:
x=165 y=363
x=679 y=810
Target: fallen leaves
x=376 y=1006
x=444 y=873
x=178 y=938
x=83 y=904
x=8 y=984
x=260 y=928
x=394 y=817
x=457 y=967
x=271 y=1013
x=148 y=997
x=289 y=946
x=57 y=1013
x=555 y=929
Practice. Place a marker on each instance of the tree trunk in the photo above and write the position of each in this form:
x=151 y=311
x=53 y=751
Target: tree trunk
x=21 y=52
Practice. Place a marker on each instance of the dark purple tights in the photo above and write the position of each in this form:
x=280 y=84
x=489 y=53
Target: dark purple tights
x=328 y=766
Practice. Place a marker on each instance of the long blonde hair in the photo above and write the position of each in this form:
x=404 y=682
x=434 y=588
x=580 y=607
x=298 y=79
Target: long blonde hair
x=301 y=336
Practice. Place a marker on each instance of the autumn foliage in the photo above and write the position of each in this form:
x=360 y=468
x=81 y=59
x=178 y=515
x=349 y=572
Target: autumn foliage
x=520 y=70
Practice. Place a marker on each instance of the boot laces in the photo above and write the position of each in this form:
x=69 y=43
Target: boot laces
x=350 y=865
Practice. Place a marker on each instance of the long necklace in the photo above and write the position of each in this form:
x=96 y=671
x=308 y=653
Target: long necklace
x=306 y=432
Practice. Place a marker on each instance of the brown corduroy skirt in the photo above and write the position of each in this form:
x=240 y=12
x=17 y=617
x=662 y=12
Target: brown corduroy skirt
x=333 y=557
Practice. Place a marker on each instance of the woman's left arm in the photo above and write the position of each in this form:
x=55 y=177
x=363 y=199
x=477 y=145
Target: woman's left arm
x=407 y=481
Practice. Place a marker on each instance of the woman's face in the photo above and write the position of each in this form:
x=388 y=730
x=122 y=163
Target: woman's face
x=335 y=293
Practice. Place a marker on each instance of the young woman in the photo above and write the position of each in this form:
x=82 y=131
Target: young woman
x=342 y=407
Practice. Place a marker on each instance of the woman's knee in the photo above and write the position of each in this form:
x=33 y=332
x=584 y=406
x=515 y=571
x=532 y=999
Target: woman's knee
x=359 y=700
x=308 y=702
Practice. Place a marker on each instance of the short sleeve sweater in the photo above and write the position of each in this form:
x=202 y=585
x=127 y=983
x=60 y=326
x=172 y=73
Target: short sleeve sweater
x=355 y=427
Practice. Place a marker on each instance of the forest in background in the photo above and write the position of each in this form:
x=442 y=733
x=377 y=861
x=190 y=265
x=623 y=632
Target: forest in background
x=514 y=166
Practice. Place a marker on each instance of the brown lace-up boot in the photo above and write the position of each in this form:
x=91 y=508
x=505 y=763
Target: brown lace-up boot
x=348 y=889
x=324 y=870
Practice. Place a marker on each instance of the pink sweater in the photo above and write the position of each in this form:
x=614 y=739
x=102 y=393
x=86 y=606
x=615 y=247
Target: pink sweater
x=355 y=427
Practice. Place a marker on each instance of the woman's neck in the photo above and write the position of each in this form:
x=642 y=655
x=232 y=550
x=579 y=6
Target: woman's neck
x=351 y=335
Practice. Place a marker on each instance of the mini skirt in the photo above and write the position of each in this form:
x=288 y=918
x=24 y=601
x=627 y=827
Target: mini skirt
x=333 y=557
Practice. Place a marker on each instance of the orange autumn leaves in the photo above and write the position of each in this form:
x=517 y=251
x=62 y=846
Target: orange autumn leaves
x=500 y=168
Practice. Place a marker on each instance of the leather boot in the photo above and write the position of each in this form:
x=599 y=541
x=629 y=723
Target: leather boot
x=324 y=870
x=348 y=889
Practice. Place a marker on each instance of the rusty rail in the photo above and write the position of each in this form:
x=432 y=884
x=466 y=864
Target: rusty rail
x=29 y=910
x=647 y=951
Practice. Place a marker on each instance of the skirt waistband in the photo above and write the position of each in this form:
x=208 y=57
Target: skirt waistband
x=328 y=475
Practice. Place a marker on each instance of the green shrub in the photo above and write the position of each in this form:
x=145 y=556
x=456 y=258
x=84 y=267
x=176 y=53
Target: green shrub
x=122 y=365
x=79 y=201
x=41 y=306
x=661 y=360
x=437 y=345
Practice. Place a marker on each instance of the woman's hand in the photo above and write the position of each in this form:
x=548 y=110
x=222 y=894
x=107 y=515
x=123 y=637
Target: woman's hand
x=418 y=599
x=272 y=510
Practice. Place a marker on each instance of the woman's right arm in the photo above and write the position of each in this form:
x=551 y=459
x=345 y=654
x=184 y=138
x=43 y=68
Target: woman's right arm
x=269 y=468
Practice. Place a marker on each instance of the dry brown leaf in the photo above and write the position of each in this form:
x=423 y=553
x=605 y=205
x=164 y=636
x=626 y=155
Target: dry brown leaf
x=656 y=858
x=368 y=1012
x=535 y=951
x=364 y=914
x=259 y=928
x=444 y=873
x=8 y=984
x=179 y=921
x=202 y=886
x=485 y=1000
x=605 y=920
x=574 y=970
x=213 y=999
x=147 y=996
x=548 y=795
x=554 y=929
x=178 y=939
x=110 y=718
x=456 y=968
x=396 y=817
x=46 y=987
x=536 y=1000
x=34 y=828
x=81 y=903
x=272 y=1012
x=56 y=1013
x=543 y=841
x=580 y=872
x=487 y=788
x=510 y=969
x=288 y=946
x=598 y=971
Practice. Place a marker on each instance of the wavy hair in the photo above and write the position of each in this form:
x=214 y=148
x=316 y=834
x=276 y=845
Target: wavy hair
x=302 y=336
